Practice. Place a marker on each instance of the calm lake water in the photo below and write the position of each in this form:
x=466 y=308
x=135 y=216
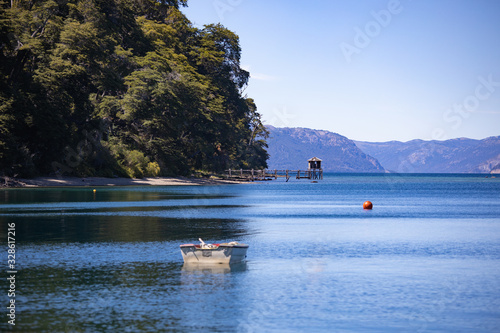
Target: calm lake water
x=425 y=259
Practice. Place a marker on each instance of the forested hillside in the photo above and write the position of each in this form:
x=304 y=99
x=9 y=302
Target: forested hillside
x=121 y=87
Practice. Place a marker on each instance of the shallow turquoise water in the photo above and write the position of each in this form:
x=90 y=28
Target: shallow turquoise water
x=426 y=258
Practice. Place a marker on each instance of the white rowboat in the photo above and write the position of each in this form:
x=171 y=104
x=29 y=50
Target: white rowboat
x=224 y=253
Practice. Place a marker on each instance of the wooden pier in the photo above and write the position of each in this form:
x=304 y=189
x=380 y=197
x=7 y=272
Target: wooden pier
x=314 y=171
x=266 y=174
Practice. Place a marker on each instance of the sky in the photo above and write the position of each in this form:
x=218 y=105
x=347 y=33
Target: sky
x=369 y=70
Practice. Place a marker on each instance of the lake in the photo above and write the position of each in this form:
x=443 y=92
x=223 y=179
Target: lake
x=425 y=258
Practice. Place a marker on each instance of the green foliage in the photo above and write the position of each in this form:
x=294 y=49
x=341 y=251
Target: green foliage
x=135 y=163
x=152 y=169
x=159 y=96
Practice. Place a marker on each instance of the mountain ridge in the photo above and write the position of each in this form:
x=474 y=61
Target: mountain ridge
x=291 y=147
x=459 y=155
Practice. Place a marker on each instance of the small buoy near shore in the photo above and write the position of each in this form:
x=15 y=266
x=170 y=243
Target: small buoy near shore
x=367 y=205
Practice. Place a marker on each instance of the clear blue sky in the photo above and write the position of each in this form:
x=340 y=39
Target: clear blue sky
x=369 y=70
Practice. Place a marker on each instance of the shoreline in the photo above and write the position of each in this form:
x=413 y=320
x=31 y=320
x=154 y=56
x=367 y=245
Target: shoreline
x=8 y=182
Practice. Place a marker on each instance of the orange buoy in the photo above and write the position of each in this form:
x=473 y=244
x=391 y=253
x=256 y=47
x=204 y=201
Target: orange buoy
x=367 y=205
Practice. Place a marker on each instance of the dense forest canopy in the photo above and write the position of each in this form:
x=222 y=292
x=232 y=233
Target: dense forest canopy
x=121 y=87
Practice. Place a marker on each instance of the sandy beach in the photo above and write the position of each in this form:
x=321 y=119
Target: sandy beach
x=102 y=181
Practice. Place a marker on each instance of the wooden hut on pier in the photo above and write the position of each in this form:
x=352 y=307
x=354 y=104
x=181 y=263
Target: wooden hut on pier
x=314 y=163
x=314 y=168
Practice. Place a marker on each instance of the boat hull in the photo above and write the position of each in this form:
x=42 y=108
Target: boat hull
x=204 y=268
x=222 y=254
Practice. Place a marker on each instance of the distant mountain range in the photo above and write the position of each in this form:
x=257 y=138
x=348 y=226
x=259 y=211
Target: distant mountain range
x=290 y=148
x=451 y=156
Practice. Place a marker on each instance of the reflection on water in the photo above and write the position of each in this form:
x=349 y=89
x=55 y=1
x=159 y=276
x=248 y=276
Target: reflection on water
x=112 y=228
x=138 y=214
x=210 y=269
x=212 y=294
x=102 y=194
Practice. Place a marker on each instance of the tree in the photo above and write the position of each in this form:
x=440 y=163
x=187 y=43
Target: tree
x=125 y=87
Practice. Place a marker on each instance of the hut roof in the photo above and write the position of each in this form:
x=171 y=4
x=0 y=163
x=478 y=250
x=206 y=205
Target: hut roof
x=314 y=159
